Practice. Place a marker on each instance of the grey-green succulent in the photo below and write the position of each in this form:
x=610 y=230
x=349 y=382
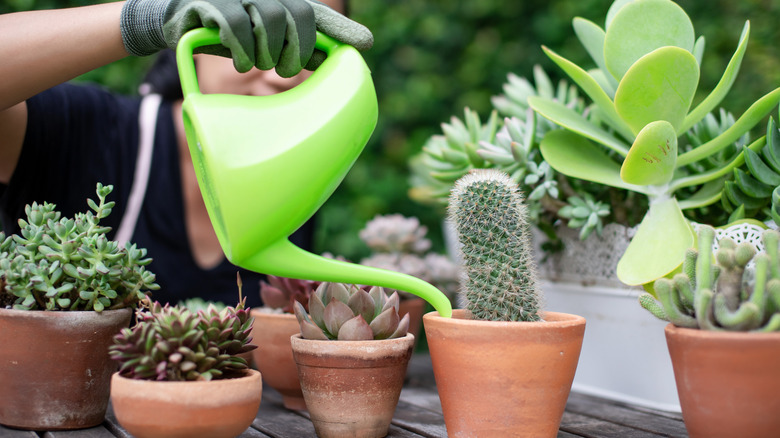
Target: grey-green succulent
x=489 y=214
x=345 y=312
x=718 y=293
x=59 y=263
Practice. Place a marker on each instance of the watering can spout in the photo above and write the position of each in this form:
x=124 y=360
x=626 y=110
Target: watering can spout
x=284 y=259
x=266 y=164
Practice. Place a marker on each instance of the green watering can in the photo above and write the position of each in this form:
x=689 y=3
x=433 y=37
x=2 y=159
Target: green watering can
x=266 y=164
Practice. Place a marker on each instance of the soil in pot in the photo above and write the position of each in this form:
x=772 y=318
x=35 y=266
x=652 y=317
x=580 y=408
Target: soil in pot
x=352 y=387
x=221 y=408
x=504 y=379
x=55 y=371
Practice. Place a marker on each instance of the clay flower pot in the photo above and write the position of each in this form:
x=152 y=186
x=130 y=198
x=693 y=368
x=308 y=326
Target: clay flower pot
x=415 y=307
x=221 y=408
x=728 y=382
x=503 y=379
x=352 y=387
x=55 y=371
x=274 y=356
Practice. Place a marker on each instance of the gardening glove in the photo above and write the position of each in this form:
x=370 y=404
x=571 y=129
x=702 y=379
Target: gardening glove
x=262 y=33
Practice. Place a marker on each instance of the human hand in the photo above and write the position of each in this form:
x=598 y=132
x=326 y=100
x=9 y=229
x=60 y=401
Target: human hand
x=262 y=33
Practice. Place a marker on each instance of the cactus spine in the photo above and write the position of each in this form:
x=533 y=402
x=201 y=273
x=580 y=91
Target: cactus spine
x=490 y=217
x=715 y=293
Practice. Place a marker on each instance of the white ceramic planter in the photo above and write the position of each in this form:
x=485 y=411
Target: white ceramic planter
x=624 y=355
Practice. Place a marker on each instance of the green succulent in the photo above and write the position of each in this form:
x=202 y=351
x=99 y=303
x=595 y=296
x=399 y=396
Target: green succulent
x=174 y=343
x=351 y=314
x=59 y=263
x=721 y=294
x=490 y=219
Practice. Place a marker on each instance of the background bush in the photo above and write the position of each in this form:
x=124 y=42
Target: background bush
x=432 y=58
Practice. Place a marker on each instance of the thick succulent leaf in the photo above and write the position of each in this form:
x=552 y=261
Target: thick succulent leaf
x=356 y=329
x=570 y=119
x=659 y=245
x=339 y=291
x=708 y=194
x=316 y=310
x=653 y=155
x=724 y=85
x=394 y=301
x=640 y=27
x=658 y=86
x=737 y=197
x=403 y=328
x=336 y=314
x=745 y=123
x=760 y=170
x=592 y=38
x=380 y=298
x=613 y=10
x=751 y=186
x=593 y=90
x=311 y=331
x=362 y=304
x=575 y=156
x=385 y=324
x=698 y=49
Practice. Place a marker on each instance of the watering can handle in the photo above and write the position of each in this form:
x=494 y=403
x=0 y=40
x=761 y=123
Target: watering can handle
x=206 y=36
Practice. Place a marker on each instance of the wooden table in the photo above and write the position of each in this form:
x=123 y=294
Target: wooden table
x=419 y=415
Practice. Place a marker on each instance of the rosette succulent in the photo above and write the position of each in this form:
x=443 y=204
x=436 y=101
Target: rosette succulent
x=174 y=343
x=59 y=263
x=282 y=293
x=351 y=314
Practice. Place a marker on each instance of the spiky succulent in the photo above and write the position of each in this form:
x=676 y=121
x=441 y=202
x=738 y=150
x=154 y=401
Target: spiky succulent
x=59 y=263
x=173 y=343
x=282 y=292
x=721 y=295
x=351 y=314
x=499 y=284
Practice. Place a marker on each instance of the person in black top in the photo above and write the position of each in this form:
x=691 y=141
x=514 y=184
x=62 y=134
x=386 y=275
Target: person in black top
x=57 y=140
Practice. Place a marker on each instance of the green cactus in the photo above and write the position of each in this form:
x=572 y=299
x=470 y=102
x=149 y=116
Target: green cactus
x=722 y=295
x=490 y=218
x=345 y=312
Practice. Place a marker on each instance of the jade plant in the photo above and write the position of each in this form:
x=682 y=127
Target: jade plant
x=717 y=292
x=490 y=217
x=642 y=89
x=346 y=312
x=174 y=343
x=60 y=263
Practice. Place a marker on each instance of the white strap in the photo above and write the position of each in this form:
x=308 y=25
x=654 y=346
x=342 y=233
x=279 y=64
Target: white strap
x=147 y=123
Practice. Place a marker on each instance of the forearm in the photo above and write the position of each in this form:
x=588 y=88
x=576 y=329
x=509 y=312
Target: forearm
x=40 y=49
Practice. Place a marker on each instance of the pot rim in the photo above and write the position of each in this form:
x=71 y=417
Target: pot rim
x=459 y=318
x=59 y=313
x=247 y=374
x=673 y=330
x=256 y=312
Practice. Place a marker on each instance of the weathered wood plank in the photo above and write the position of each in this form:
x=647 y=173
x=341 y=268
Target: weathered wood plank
x=620 y=413
x=419 y=420
x=92 y=432
x=425 y=398
x=7 y=432
x=582 y=425
x=275 y=420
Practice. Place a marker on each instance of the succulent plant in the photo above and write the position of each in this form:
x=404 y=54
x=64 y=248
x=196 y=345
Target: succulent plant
x=721 y=295
x=394 y=233
x=351 y=314
x=174 y=343
x=499 y=284
x=59 y=263
x=280 y=293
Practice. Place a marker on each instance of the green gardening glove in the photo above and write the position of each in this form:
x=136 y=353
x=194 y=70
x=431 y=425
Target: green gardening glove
x=265 y=34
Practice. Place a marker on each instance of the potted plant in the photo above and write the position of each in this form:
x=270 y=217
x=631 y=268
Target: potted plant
x=65 y=290
x=503 y=367
x=724 y=336
x=181 y=373
x=275 y=323
x=351 y=354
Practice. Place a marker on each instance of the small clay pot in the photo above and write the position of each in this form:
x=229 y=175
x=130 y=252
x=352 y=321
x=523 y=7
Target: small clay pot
x=415 y=307
x=352 y=387
x=222 y=408
x=503 y=379
x=55 y=371
x=274 y=356
x=728 y=382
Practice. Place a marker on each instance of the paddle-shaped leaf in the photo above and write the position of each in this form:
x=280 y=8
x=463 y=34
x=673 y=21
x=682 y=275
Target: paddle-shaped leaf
x=575 y=156
x=640 y=27
x=652 y=156
x=658 y=86
x=659 y=245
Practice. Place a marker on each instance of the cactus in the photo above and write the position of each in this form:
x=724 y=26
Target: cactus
x=499 y=284
x=351 y=314
x=721 y=295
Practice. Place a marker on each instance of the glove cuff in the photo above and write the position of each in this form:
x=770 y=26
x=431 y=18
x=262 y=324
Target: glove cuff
x=141 y=25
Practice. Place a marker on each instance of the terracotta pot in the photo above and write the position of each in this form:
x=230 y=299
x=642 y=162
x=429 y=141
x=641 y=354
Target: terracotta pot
x=352 y=387
x=415 y=307
x=55 y=371
x=728 y=382
x=222 y=408
x=274 y=357
x=503 y=379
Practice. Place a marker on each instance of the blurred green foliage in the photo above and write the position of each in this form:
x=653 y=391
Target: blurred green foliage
x=432 y=58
